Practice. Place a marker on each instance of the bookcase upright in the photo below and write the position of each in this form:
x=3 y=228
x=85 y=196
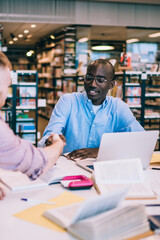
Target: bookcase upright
x=21 y=108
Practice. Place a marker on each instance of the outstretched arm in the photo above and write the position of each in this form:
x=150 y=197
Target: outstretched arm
x=54 y=150
x=18 y=154
x=57 y=121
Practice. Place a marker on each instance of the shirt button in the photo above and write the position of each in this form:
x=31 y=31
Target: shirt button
x=93 y=125
x=90 y=138
x=91 y=111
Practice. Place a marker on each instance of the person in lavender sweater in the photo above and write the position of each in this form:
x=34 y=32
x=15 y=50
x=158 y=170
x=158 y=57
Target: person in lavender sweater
x=16 y=153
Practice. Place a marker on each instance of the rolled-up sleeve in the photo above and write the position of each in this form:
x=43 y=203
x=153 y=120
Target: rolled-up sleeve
x=18 y=154
x=58 y=120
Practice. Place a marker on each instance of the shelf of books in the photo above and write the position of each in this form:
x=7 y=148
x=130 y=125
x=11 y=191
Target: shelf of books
x=56 y=67
x=128 y=88
x=64 y=69
x=22 y=64
x=152 y=102
x=20 y=110
x=80 y=83
x=140 y=90
x=47 y=89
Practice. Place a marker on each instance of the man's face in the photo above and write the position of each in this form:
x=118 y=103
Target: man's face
x=5 y=81
x=97 y=93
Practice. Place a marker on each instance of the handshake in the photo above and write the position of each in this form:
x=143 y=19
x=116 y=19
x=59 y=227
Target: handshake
x=53 y=138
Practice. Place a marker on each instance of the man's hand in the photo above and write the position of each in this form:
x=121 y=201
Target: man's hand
x=83 y=153
x=54 y=150
x=52 y=139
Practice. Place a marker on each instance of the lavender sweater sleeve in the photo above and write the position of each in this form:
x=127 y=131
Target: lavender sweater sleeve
x=18 y=154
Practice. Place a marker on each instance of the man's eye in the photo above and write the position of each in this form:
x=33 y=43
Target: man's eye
x=89 y=76
x=100 y=79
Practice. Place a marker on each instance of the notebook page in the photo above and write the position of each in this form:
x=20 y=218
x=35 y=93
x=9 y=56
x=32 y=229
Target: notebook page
x=118 y=171
x=18 y=181
x=136 y=190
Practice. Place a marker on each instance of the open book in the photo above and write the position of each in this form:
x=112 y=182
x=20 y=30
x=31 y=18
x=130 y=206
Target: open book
x=18 y=181
x=136 y=190
x=113 y=175
x=98 y=218
x=155 y=161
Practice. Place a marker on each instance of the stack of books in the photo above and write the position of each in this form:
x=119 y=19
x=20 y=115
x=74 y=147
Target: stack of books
x=99 y=218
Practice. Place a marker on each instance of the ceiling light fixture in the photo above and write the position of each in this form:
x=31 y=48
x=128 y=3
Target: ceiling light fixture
x=33 y=25
x=52 y=36
x=82 y=40
x=29 y=36
x=29 y=54
x=10 y=42
x=154 y=35
x=15 y=39
x=102 y=47
x=20 y=35
x=132 y=40
x=31 y=51
x=52 y=44
x=26 y=31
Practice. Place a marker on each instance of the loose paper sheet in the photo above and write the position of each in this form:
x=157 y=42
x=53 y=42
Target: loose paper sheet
x=35 y=214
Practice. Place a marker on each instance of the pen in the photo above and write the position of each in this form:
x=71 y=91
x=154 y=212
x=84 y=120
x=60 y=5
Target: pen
x=155 y=168
x=36 y=201
x=64 y=155
x=152 y=205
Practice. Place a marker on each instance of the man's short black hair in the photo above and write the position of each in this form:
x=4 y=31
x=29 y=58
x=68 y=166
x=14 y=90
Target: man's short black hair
x=104 y=62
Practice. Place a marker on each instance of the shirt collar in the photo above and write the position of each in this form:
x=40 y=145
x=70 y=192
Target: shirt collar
x=86 y=99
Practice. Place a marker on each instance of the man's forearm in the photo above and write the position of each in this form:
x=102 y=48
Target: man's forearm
x=41 y=143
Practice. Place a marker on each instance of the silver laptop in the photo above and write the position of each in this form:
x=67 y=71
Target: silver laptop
x=124 y=145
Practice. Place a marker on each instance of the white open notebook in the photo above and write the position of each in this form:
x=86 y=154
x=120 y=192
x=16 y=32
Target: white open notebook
x=18 y=181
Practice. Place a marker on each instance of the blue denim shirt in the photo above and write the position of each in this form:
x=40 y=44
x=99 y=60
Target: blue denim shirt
x=73 y=116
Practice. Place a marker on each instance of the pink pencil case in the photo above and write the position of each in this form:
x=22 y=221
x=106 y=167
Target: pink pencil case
x=79 y=182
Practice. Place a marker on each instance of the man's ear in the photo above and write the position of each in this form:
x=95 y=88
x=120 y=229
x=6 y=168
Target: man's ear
x=112 y=83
